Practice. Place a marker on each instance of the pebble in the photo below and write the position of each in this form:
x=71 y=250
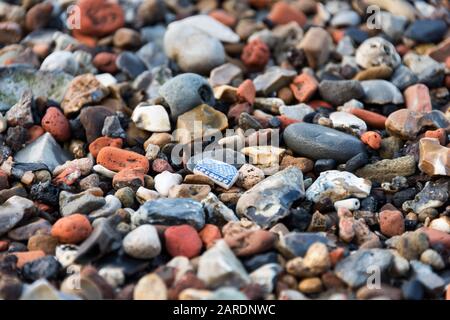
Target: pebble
x=428 y=71
x=150 y=287
x=13 y=210
x=407 y=124
x=386 y=170
x=297 y=112
x=441 y=224
x=255 y=55
x=60 y=60
x=212 y=27
x=72 y=229
x=185 y=92
x=432 y=258
x=165 y=181
x=433 y=195
x=202 y=121
x=348 y=122
x=338 y=185
x=193 y=49
x=183 y=241
x=249 y=176
x=216 y=211
x=270 y=200
x=108 y=209
x=339 y=92
x=410 y=245
x=314 y=142
x=376 y=52
x=316 y=45
x=273 y=79
x=170 y=212
x=392 y=223
x=56 y=124
x=224 y=74
x=43 y=150
x=219 y=267
x=83 y=90
x=142 y=242
x=116 y=159
x=403 y=77
x=432 y=282
x=426 y=31
x=434 y=158
x=130 y=64
x=353 y=269
x=83 y=202
x=151 y=118
x=381 y=92
x=95 y=24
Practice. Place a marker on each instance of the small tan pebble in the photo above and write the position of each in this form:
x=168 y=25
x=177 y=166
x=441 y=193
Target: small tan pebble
x=310 y=285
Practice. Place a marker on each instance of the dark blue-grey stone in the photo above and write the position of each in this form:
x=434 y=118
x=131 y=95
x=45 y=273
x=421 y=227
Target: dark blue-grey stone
x=185 y=92
x=403 y=77
x=44 y=268
x=426 y=31
x=341 y=91
x=295 y=244
x=259 y=260
x=412 y=290
x=171 y=212
x=130 y=64
x=319 y=142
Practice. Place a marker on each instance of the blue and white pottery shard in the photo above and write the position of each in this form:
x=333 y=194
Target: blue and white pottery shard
x=221 y=173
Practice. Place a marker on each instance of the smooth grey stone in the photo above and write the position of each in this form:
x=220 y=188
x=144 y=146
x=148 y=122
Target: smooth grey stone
x=341 y=91
x=355 y=269
x=25 y=232
x=185 y=92
x=425 y=275
x=403 y=77
x=318 y=142
x=15 y=80
x=13 y=210
x=84 y=203
x=40 y=36
x=130 y=64
x=273 y=80
x=430 y=72
x=433 y=195
x=111 y=206
x=60 y=61
x=392 y=25
x=381 y=92
x=345 y=18
x=43 y=150
x=219 y=267
x=152 y=55
x=295 y=244
x=170 y=212
x=153 y=34
x=236 y=159
x=192 y=49
x=270 y=200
